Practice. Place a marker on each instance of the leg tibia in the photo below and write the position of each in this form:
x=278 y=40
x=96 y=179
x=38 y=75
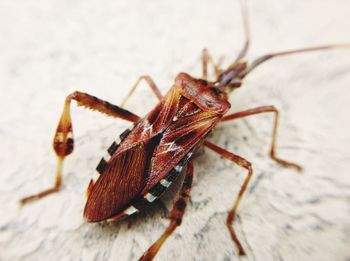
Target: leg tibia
x=63 y=141
x=232 y=213
x=259 y=110
x=150 y=83
x=176 y=215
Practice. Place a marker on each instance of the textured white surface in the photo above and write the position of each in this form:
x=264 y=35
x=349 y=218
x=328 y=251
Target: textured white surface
x=51 y=48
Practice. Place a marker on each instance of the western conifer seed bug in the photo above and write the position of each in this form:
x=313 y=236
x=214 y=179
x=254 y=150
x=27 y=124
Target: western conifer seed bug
x=161 y=144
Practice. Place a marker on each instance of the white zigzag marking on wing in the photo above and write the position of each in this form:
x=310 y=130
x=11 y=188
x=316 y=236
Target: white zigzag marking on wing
x=171 y=146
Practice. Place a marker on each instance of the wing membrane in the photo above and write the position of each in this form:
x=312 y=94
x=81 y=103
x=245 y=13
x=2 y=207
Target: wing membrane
x=121 y=181
x=178 y=139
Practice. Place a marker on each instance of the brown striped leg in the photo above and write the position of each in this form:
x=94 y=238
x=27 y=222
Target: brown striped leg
x=207 y=58
x=175 y=215
x=150 y=83
x=259 y=110
x=63 y=142
x=232 y=213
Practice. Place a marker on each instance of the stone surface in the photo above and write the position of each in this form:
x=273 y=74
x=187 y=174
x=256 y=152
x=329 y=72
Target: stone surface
x=51 y=48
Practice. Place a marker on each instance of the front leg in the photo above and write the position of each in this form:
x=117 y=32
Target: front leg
x=63 y=142
x=208 y=59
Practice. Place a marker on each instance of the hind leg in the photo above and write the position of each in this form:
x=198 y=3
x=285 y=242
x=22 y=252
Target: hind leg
x=63 y=142
x=175 y=215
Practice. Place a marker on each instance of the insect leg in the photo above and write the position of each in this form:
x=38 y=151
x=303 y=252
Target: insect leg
x=150 y=83
x=63 y=142
x=175 y=216
x=207 y=58
x=259 y=110
x=232 y=213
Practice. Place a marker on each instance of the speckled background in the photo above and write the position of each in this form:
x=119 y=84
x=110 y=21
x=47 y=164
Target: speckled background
x=51 y=48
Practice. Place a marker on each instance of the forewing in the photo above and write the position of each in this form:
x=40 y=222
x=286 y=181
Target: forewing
x=121 y=181
x=156 y=121
x=178 y=139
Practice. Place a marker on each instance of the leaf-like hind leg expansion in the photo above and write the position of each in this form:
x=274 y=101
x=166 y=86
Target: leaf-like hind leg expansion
x=175 y=215
x=259 y=110
x=63 y=142
x=232 y=213
x=150 y=83
x=208 y=59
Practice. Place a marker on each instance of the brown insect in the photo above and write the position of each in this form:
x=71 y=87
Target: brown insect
x=154 y=152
